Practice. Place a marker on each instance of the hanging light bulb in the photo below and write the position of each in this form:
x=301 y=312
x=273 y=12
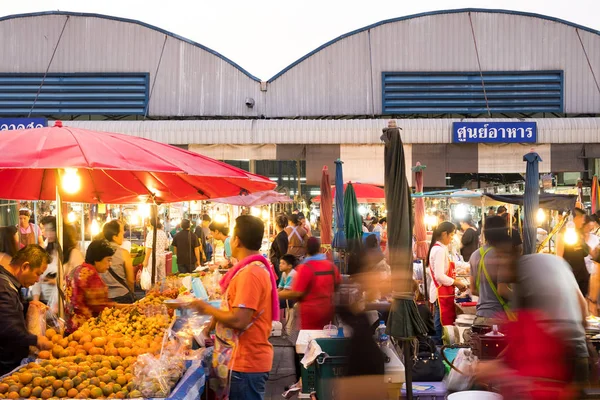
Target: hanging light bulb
x=571 y=237
x=71 y=182
x=94 y=228
x=540 y=216
x=71 y=217
x=255 y=211
x=221 y=218
x=265 y=214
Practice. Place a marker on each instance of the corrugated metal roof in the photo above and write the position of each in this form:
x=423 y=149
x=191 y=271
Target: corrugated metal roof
x=192 y=80
x=358 y=131
x=341 y=72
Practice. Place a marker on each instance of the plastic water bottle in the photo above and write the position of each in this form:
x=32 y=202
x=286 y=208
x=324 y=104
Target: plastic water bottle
x=380 y=336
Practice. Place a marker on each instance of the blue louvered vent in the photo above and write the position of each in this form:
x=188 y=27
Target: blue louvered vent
x=462 y=92
x=74 y=94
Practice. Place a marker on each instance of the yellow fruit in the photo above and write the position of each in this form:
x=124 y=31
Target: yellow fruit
x=25 y=392
x=50 y=333
x=99 y=341
x=37 y=391
x=25 y=378
x=47 y=393
x=96 y=393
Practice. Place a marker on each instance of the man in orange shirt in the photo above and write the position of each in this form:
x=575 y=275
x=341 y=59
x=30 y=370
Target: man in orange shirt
x=243 y=356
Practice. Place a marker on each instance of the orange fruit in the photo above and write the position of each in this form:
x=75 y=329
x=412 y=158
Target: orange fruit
x=96 y=393
x=50 y=333
x=25 y=392
x=37 y=391
x=73 y=344
x=3 y=388
x=85 y=339
x=96 y=333
x=25 y=378
x=60 y=393
x=99 y=341
x=47 y=393
x=56 y=350
x=13 y=395
x=72 y=393
x=64 y=342
x=57 y=384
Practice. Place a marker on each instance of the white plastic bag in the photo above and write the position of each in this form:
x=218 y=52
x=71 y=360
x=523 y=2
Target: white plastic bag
x=465 y=362
x=146 y=279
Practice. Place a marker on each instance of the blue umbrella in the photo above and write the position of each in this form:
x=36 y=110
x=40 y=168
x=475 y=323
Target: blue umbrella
x=531 y=201
x=339 y=237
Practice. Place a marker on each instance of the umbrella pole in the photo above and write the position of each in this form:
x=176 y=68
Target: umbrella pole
x=408 y=368
x=59 y=240
x=83 y=229
x=154 y=222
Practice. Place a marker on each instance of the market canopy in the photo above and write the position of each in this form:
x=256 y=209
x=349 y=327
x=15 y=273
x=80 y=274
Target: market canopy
x=365 y=193
x=548 y=201
x=113 y=168
x=255 y=199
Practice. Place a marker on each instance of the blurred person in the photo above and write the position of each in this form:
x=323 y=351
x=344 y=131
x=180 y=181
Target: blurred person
x=221 y=232
x=287 y=266
x=297 y=237
x=46 y=290
x=592 y=241
x=547 y=351
x=486 y=277
x=203 y=233
x=575 y=254
x=23 y=270
x=514 y=233
x=86 y=293
x=314 y=289
x=186 y=247
x=305 y=223
x=442 y=280
x=118 y=277
x=9 y=244
x=279 y=247
x=28 y=232
x=162 y=246
x=470 y=238
x=243 y=356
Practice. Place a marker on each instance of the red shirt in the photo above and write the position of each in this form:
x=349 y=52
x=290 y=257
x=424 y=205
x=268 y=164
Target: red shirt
x=316 y=278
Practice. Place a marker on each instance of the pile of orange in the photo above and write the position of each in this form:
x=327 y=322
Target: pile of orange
x=96 y=361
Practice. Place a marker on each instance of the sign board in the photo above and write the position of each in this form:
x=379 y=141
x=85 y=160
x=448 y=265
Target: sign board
x=494 y=132
x=11 y=124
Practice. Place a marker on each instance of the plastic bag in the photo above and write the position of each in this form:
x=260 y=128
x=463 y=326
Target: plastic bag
x=146 y=279
x=157 y=375
x=36 y=319
x=465 y=362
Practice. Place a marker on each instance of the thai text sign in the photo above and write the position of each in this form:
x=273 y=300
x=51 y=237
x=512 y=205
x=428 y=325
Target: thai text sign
x=494 y=132
x=11 y=124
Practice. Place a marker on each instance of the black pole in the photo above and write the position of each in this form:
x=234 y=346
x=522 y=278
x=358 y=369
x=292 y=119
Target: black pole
x=408 y=368
x=154 y=223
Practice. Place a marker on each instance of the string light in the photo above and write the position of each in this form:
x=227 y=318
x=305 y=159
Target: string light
x=71 y=182
x=94 y=228
x=540 y=216
x=571 y=237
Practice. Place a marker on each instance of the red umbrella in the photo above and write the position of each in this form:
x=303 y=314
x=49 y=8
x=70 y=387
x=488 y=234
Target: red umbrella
x=113 y=168
x=326 y=208
x=364 y=193
x=420 y=230
x=255 y=199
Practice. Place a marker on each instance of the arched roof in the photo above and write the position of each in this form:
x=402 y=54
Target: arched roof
x=132 y=21
x=426 y=14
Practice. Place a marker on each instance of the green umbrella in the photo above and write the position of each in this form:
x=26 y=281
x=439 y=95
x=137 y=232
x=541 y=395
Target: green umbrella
x=353 y=229
x=404 y=320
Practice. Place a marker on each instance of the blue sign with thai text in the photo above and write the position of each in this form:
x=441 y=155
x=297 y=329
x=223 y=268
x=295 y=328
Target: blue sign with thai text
x=494 y=132
x=11 y=124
